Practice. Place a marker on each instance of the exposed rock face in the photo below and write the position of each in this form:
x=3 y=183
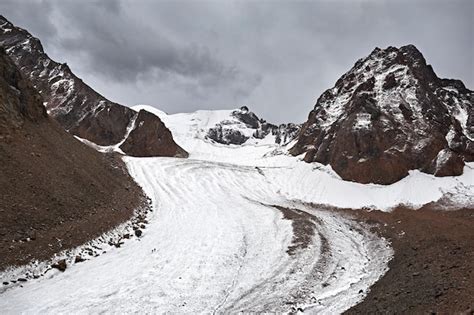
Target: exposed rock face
x=15 y=96
x=390 y=114
x=76 y=106
x=224 y=135
x=244 y=125
x=150 y=137
x=56 y=193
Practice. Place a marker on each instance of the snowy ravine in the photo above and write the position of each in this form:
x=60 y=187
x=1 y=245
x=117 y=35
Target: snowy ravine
x=218 y=240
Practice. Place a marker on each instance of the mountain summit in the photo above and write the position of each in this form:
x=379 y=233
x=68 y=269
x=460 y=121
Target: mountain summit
x=81 y=110
x=388 y=115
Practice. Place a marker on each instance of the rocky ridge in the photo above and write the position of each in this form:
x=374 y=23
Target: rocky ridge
x=77 y=107
x=388 y=115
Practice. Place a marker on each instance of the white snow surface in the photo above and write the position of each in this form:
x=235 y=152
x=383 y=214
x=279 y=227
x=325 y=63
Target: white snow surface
x=215 y=243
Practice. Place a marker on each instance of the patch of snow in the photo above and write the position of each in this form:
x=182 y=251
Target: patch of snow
x=442 y=157
x=450 y=136
x=100 y=148
x=26 y=45
x=115 y=147
x=461 y=115
x=131 y=126
x=421 y=144
x=451 y=89
x=362 y=121
x=335 y=110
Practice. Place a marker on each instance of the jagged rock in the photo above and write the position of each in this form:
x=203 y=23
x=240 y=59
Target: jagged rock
x=247 y=117
x=226 y=135
x=60 y=265
x=390 y=114
x=447 y=163
x=76 y=106
x=390 y=81
x=244 y=125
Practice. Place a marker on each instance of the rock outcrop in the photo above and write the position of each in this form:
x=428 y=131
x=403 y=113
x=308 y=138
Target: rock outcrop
x=243 y=125
x=388 y=115
x=76 y=106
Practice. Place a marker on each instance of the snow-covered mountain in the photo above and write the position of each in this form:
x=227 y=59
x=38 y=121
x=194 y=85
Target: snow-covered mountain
x=387 y=115
x=81 y=110
x=229 y=127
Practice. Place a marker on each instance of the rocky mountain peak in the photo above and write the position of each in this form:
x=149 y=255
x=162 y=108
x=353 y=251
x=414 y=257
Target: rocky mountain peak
x=387 y=115
x=76 y=106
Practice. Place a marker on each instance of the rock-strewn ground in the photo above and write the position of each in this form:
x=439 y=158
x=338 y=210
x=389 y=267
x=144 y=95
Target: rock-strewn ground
x=433 y=266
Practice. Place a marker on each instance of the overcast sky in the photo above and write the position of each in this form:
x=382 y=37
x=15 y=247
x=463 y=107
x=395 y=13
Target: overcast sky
x=276 y=57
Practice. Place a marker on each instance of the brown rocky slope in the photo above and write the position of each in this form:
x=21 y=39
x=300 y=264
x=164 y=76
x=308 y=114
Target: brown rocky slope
x=76 y=106
x=390 y=114
x=56 y=193
x=432 y=271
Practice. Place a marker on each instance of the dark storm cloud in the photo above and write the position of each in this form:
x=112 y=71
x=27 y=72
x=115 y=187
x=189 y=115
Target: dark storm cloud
x=275 y=56
x=123 y=48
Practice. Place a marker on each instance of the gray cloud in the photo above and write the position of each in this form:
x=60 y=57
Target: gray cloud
x=275 y=56
x=30 y=14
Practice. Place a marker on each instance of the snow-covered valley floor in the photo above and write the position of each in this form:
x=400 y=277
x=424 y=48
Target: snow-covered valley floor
x=218 y=240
